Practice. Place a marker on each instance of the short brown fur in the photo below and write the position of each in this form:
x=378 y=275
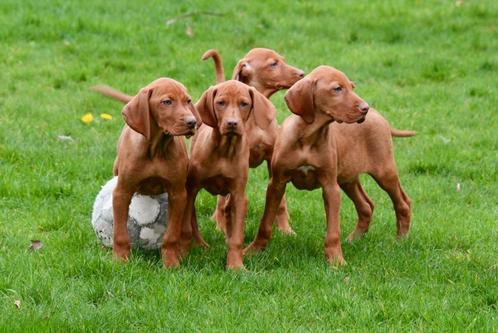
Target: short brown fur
x=152 y=159
x=311 y=152
x=219 y=157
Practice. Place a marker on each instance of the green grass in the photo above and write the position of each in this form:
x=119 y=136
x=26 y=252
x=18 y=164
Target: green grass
x=428 y=66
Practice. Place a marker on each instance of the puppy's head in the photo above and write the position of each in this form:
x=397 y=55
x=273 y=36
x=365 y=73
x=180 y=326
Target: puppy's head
x=162 y=106
x=228 y=105
x=266 y=70
x=329 y=91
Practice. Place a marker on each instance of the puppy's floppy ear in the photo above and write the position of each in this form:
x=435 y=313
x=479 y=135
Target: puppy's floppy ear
x=205 y=106
x=263 y=110
x=136 y=113
x=242 y=71
x=300 y=99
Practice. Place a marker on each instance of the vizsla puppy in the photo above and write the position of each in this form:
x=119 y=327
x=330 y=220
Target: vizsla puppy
x=219 y=156
x=152 y=159
x=308 y=153
x=258 y=69
x=261 y=68
x=265 y=70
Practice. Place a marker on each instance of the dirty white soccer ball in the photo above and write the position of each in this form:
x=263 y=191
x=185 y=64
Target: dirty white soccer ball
x=147 y=218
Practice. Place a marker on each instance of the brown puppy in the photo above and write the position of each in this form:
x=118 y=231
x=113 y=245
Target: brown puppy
x=267 y=71
x=152 y=159
x=310 y=154
x=267 y=79
x=261 y=68
x=219 y=156
x=255 y=69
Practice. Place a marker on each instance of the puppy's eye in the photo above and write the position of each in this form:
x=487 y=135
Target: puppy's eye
x=274 y=64
x=221 y=103
x=337 y=89
x=244 y=104
x=166 y=102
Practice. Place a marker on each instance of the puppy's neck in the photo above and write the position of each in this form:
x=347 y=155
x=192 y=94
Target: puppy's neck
x=316 y=131
x=228 y=145
x=266 y=91
x=158 y=144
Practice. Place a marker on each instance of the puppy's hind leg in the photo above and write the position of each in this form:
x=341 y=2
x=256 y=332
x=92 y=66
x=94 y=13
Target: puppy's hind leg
x=389 y=181
x=363 y=205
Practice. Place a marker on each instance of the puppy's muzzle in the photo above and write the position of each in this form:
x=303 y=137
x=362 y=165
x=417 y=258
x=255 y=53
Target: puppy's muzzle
x=190 y=122
x=232 y=124
x=364 y=107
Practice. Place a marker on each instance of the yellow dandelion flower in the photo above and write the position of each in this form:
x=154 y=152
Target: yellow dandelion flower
x=105 y=116
x=87 y=118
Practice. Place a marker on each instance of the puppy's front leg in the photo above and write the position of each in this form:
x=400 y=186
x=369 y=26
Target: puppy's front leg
x=219 y=214
x=332 y=200
x=274 y=194
x=171 y=244
x=235 y=230
x=190 y=228
x=121 y=198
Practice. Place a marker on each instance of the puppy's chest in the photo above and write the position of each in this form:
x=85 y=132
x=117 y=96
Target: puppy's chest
x=153 y=186
x=304 y=177
x=305 y=167
x=218 y=184
x=219 y=177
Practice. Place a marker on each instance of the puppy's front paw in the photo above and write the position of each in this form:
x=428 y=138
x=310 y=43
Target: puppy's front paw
x=402 y=234
x=235 y=260
x=334 y=256
x=170 y=258
x=336 y=261
x=121 y=252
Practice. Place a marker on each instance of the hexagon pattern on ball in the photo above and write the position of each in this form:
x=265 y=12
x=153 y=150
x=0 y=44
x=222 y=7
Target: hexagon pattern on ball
x=147 y=218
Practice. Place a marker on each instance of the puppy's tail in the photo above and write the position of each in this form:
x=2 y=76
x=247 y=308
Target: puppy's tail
x=402 y=133
x=112 y=93
x=218 y=66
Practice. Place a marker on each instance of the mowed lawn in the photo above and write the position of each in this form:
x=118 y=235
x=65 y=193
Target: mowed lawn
x=430 y=66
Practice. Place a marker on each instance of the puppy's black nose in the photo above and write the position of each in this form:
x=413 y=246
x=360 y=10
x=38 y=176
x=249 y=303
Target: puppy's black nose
x=190 y=122
x=232 y=123
x=364 y=107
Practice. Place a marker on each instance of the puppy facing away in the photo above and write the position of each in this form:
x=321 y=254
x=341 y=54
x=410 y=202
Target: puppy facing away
x=308 y=153
x=152 y=159
x=219 y=157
